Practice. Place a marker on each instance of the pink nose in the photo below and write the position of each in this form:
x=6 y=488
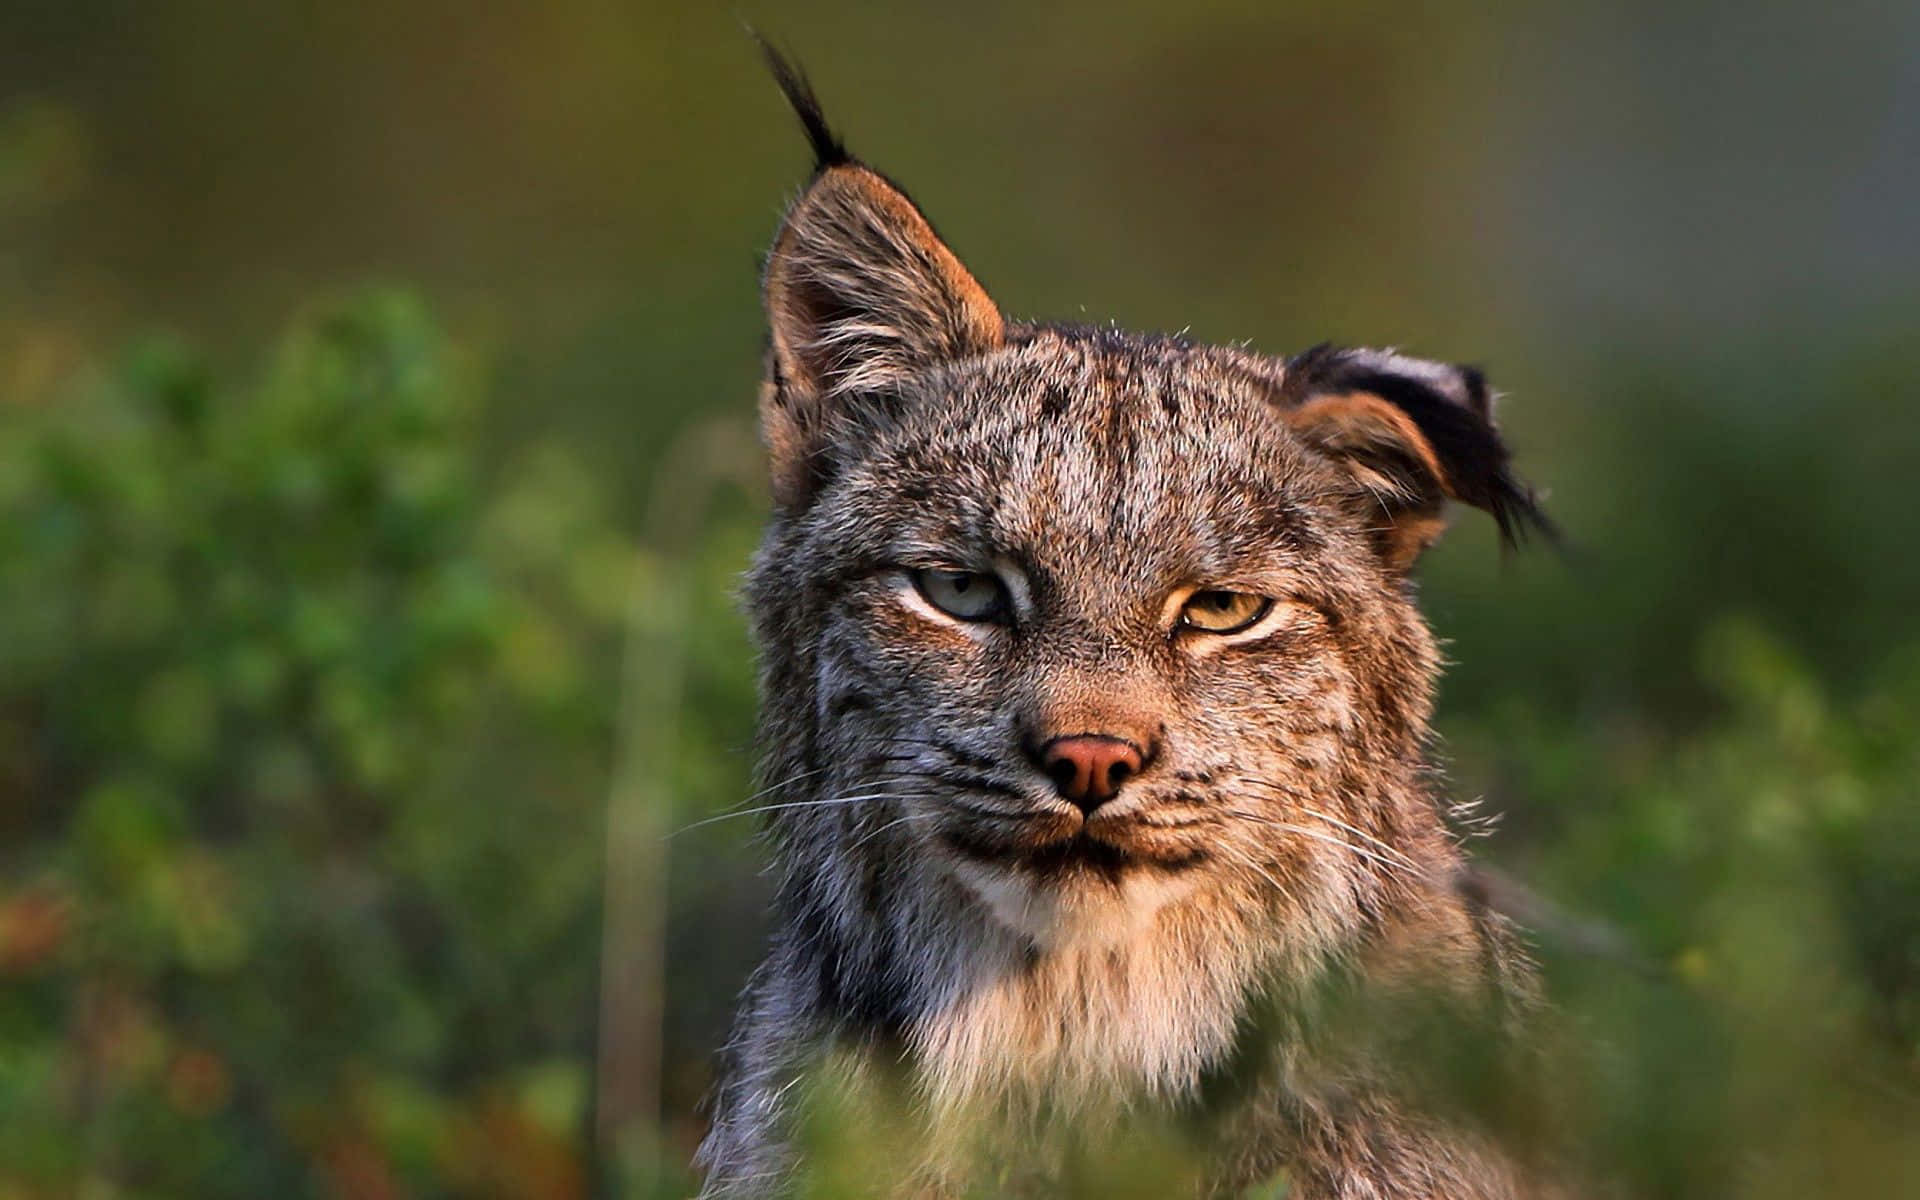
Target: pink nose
x=1088 y=768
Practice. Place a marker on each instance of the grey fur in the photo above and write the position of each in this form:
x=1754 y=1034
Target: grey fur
x=1283 y=839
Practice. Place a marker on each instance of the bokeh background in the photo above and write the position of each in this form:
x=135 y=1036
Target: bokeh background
x=376 y=473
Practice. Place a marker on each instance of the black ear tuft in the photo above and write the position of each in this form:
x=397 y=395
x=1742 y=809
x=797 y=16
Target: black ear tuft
x=862 y=298
x=1451 y=409
x=828 y=149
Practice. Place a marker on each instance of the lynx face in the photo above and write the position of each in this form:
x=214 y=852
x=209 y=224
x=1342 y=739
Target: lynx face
x=1106 y=630
x=1094 y=693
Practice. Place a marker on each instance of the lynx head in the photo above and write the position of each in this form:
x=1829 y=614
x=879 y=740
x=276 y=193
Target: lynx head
x=1089 y=623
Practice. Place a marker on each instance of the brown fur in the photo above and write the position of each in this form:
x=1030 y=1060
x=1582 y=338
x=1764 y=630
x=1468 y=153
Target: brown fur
x=1201 y=948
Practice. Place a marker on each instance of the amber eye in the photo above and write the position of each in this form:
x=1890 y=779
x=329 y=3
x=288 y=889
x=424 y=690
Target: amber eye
x=1223 y=612
x=968 y=595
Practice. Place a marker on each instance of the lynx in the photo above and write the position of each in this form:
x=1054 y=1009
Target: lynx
x=1095 y=719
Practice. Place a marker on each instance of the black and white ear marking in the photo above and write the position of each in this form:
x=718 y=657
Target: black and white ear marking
x=861 y=296
x=1414 y=434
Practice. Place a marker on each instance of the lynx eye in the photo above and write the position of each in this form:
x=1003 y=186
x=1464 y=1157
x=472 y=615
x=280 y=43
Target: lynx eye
x=968 y=595
x=1223 y=612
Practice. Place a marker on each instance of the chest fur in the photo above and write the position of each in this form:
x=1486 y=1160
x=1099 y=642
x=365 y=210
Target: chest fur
x=1075 y=1028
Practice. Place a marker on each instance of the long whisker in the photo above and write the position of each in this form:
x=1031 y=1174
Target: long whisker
x=1252 y=863
x=768 y=790
x=1330 y=819
x=872 y=834
x=789 y=781
x=1399 y=857
x=1318 y=836
x=767 y=808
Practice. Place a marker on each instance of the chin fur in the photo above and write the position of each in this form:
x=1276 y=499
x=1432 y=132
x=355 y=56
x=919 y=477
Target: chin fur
x=1084 y=994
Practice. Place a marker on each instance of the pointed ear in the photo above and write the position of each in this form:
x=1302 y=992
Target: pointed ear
x=1412 y=434
x=861 y=297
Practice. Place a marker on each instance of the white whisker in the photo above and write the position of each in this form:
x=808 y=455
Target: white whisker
x=901 y=820
x=1333 y=820
x=1318 y=836
x=767 y=808
x=1253 y=864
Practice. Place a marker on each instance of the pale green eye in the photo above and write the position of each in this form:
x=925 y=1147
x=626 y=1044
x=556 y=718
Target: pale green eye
x=1223 y=612
x=968 y=595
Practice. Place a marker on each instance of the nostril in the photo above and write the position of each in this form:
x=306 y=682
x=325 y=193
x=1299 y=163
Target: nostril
x=1064 y=772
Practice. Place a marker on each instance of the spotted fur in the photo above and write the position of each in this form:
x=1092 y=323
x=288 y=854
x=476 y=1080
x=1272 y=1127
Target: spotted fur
x=938 y=907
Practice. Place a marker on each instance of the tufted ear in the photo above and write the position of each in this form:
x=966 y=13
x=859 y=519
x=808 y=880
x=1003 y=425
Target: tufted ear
x=1413 y=434
x=861 y=297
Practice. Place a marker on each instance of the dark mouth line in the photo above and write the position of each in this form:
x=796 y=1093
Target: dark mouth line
x=1079 y=852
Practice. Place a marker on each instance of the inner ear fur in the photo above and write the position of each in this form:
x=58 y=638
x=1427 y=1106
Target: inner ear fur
x=861 y=296
x=1412 y=434
x=1391 y=461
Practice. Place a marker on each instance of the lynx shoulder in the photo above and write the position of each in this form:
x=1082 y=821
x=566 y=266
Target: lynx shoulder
x=1095 y=701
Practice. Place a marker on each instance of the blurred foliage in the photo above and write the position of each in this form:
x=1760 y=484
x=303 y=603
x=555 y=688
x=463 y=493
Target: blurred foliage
x=305 y=729
x=310 y=689
x=1758 y=1034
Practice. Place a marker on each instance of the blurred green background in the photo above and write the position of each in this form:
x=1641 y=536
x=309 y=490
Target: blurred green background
x=376 y=473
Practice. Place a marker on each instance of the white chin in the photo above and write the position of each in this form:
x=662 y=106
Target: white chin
x=1074 y=911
